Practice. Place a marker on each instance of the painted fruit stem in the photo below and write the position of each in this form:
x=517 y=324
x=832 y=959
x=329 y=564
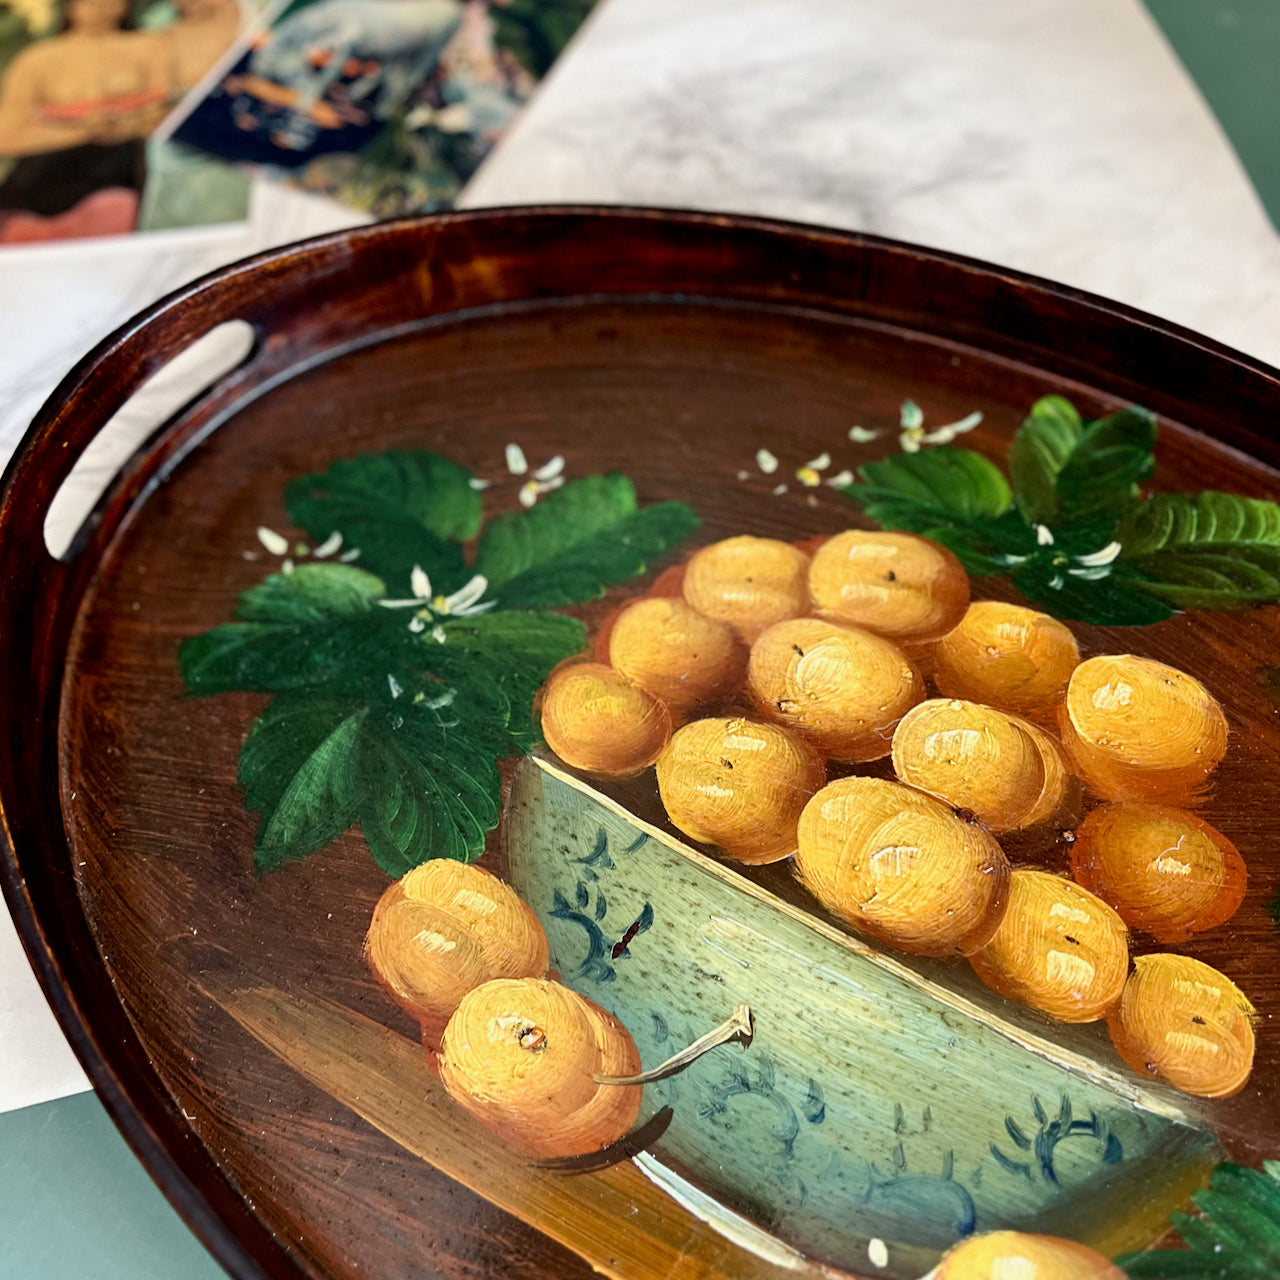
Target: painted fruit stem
x=739 y=1027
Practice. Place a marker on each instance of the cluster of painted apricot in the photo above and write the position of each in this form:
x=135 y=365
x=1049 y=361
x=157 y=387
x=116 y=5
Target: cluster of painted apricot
x=766 y=661
x=457 y=949
x=533 y=1061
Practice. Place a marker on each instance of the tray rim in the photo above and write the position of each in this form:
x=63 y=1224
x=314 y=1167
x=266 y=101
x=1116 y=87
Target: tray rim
x=212 y=1208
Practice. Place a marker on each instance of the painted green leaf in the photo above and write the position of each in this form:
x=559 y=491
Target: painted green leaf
x=1207 y=551
x=426 y=788
x=957 y=482
x=1037 y=454
x=1065 y=470
x=319 y=625
x=398 y=509
x=311 y=593
x=508 y=654
x=1235 y=1236
x=954 y=496
x=394 y=711
x=412 y=753
x=264 y=657
x=577 y=542
x=1109 y=601
x=1209 y=518
x=298 y=768
x=1113 y=456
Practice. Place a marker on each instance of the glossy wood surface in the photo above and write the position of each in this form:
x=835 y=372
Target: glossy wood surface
x=667 y=346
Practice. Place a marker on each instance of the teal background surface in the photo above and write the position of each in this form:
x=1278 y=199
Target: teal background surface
x=1232 y=51
x=76 y=1203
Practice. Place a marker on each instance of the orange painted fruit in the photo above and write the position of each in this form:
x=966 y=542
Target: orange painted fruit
x=521 y=1055
x=902 y=867
x=1185 y=1021
x=749 y=583
x=445 y=928
x=731 y=782
x=1058 y=949
x=976 y=758
x=1135 y=729
x=1008 y=657
x=676 y=654
x=894 y=584
x=1014 y=1255
x=1166 y=871
x=595 y=719
x=841 y=688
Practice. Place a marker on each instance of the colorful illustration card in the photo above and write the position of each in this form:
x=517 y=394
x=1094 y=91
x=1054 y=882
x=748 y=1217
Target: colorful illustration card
x=83 y=84
x=387 y=105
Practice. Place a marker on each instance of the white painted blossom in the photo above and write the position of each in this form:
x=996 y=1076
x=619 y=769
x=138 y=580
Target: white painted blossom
x=545 y=479
x=1096 y=558
x=517 y=463
x=811 y=473
x=276 y=543
x=1097 y=564
x=466 y=602
x=913 y=437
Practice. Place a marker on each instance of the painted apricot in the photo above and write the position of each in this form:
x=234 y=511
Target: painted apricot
x=1007 y=657
x=974 y=758
x=749 y=583
x=739 y=785
x=1058 y=949
x=895 y=584
x=1185 y=1021
x=1015 y=1255
x=595 y=719
x=1135 y=729
x=522 y=1054
x=1057 y=779
x=902 y=867
x=443 y=929
x=841 y=688
x=676 y=654
x=1164 y=870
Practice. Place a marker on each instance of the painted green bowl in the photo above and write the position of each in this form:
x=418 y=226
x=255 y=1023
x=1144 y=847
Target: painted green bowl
x=873 y=1102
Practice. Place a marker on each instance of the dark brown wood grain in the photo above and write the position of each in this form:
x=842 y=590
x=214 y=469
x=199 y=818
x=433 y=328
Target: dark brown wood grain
x=668 y=346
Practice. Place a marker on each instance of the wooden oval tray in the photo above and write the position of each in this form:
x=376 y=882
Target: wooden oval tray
x=606 y=390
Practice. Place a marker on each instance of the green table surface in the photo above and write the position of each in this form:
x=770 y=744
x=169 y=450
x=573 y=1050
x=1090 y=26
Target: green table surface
x=1232 y=51
x=76 y=1203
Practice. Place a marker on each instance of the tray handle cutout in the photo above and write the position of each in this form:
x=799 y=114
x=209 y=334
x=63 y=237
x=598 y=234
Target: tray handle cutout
x=180 y=382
